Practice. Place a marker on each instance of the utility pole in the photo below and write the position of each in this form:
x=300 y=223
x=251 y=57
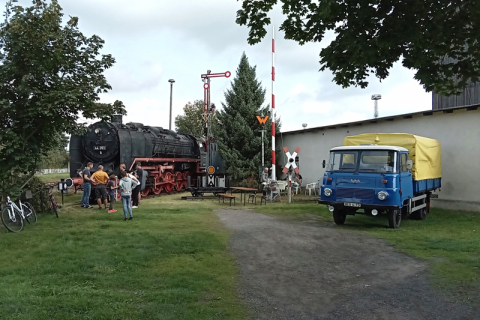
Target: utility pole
x=171 y=89
x=375 y=98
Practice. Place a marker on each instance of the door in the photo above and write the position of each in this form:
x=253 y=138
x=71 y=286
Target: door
x=405 y=178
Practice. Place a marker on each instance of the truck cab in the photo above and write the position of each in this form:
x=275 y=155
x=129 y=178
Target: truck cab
x=373 y=179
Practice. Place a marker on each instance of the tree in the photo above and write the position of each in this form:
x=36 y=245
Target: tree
x=237 y=130
x=56 y=158
x=192 y=122
x=437 y=38
x=50 y=75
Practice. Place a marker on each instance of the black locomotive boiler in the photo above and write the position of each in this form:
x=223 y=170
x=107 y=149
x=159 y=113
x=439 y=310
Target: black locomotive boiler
x=170 y=160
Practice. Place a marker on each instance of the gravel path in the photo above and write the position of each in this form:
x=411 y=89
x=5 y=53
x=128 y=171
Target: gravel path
x=293 y=269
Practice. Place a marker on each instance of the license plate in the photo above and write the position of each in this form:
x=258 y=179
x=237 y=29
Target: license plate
x=99 y=147
x=352 y=204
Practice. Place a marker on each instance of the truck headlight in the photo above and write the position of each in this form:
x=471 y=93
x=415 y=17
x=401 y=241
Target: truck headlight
x=327 y=192
x=382 y=195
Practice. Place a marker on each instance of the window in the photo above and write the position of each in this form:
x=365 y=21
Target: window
x=377 y=161
x=403 y=163
x=342 y=161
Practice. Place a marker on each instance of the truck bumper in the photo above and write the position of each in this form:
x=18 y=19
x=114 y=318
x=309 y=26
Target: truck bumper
x=342 y=205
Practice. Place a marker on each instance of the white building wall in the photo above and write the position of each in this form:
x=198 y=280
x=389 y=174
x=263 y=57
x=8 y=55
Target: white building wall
x=458 y=132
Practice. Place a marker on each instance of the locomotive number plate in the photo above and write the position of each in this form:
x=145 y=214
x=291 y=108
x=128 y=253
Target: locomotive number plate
x=99 y=147
x=352 y=204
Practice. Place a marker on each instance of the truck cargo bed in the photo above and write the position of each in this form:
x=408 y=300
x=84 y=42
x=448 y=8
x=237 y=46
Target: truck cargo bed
x=427 y=184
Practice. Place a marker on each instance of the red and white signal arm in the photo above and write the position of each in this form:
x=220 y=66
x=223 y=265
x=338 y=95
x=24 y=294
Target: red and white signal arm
x=291 y=160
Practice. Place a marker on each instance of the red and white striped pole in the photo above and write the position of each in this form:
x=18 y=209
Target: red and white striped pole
x=273 y=104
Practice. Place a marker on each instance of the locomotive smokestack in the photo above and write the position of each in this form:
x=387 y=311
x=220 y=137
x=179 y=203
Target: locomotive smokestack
x=117 y=118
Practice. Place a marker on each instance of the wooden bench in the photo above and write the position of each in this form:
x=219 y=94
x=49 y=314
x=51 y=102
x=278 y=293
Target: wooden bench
x=228 y=196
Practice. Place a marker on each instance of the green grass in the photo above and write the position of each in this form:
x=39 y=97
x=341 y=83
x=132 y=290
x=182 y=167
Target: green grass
x=53 y=177
x=448 y=240
x=170 y=262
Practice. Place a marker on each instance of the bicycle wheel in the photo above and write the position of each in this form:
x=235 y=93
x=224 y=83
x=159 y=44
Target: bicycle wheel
x=29 y=213
x=53 y=205
x=11 y=219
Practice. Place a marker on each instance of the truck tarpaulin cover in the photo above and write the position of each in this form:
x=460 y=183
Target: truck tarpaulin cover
x=424 y=152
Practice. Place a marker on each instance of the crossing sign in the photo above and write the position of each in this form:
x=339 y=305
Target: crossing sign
x=291 y=160
x=211 y=180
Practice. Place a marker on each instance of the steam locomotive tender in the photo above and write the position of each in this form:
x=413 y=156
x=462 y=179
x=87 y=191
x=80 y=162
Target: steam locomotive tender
x=170 y=161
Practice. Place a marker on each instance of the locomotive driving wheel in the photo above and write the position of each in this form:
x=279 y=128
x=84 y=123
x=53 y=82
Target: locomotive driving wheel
x=168 y=177
x=157 y=187
x=145 y=192
x=179 y=184
x=185 y=179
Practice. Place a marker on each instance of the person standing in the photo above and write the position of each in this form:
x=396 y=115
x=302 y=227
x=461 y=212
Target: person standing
x=136 y=191
x=126 y=185
x=111 y=192
x=123 y=167
x=87 y=186
x=101 y=178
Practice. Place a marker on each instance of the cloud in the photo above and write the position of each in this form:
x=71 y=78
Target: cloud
x=134 y=77
x=314 y=107
x=153 y=41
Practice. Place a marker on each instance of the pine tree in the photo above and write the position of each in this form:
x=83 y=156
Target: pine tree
x=237 y=129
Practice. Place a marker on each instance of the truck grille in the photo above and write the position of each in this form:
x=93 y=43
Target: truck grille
x=364 y=194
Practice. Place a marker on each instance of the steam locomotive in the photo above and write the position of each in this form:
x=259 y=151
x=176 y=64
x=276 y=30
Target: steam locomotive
x=170 y=161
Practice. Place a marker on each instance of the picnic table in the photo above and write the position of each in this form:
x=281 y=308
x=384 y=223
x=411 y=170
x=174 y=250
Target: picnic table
x=243 y=192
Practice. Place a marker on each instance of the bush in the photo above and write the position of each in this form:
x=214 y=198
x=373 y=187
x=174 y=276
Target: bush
x=40 y=195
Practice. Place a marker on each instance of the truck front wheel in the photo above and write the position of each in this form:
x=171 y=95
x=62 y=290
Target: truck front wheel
x=394 y=218
x=339 y=216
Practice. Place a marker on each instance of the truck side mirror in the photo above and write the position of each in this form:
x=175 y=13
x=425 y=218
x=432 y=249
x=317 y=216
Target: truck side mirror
x=323 y=164
x=409 y=164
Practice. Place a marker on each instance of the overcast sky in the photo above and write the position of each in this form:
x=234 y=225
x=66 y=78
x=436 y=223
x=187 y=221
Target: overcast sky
x=153 y=41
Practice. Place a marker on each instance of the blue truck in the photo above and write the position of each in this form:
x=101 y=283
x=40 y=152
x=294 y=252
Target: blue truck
x=382 y=174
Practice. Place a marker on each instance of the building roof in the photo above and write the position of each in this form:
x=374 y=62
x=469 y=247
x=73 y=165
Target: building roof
x=389 y=118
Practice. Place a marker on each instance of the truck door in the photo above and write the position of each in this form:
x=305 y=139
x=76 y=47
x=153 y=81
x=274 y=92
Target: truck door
x=406 y=184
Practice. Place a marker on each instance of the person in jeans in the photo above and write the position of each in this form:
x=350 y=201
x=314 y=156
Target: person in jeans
x=87 y=186
x=126 y=185
x=111 y=192
x=123 y=167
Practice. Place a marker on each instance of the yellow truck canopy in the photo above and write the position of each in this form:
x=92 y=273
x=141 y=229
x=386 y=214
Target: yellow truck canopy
x=425 y=152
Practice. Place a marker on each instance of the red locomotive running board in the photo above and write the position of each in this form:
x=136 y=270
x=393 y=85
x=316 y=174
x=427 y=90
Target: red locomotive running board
x=156 y=160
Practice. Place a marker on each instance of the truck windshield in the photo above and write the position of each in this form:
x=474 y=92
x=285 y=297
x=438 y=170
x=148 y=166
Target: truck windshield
x=342 y=161
x=382 y=161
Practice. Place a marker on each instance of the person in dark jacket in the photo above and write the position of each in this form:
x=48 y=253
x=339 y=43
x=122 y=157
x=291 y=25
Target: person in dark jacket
x=87 y=186
x=136 y=192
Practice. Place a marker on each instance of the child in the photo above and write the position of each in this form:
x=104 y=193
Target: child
x=126 y=185
x=111 y=192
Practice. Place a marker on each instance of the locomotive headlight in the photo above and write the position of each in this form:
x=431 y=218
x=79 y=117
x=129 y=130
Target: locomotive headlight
x=382 y=195
x=97 y=131
x=327 y=192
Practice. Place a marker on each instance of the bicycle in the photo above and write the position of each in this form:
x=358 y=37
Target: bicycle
x=13 y=215
x=53 y=204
